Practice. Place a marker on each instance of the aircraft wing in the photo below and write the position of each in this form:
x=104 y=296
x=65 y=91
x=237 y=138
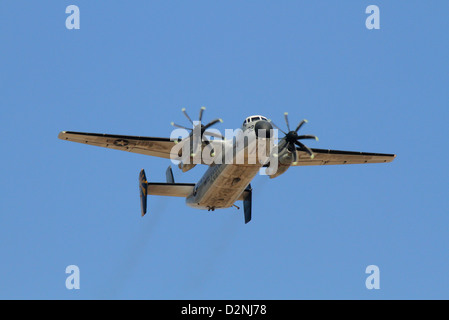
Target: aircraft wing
x=327 y=157
x=151 y=146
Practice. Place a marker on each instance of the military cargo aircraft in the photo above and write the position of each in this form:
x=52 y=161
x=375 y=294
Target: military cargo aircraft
x=232 y=165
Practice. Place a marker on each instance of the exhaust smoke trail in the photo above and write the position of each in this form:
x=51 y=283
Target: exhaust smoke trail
x=130 y=258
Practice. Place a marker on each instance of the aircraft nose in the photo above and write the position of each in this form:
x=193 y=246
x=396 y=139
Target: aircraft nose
x=263 y=125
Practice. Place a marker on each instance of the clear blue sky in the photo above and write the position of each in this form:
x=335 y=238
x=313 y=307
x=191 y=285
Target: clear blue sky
x=130 y=69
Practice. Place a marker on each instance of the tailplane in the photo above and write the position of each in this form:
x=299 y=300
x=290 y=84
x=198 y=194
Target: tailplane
x=170 y=189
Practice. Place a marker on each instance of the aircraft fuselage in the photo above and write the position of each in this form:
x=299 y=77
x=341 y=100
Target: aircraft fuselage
x=222 y=184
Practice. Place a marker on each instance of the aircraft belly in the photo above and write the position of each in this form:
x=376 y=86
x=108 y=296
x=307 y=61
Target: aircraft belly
x=226 y=188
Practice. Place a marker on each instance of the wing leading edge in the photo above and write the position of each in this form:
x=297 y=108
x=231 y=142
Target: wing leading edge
x=329 y=157
x=151 y=146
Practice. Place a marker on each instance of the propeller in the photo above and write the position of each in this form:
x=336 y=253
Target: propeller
x=203 y=127
x=292 y=138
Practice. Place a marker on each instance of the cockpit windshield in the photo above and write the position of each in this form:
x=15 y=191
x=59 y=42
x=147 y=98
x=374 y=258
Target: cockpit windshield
x=254 y=119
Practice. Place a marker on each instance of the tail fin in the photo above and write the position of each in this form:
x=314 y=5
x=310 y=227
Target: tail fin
x=247 y=199
x=169 y=175
x=143 y=186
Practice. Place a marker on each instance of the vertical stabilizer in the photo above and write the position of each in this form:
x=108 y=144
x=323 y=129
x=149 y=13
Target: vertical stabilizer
x=247 y=199
x=143 y=186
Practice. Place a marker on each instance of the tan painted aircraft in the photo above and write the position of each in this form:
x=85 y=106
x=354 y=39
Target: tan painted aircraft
x=231 y=167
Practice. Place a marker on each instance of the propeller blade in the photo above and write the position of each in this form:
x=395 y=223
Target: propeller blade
x=286 y=121
x=187 y=116
x=197 y=147
x=306 y=148
x=300 y=125
x=205 y=139
x=308 y=136
x=179 y=126
x=210 y=124
x=282 y=144
x=213 y=134
x=201 y=113
x=295 y=156
x=274 y=125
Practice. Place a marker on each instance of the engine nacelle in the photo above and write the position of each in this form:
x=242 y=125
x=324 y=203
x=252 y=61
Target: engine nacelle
x=280 y=170
x=284 y=162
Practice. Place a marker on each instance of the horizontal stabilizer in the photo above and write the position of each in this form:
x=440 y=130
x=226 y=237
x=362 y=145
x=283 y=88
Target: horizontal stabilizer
x=170 y=189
